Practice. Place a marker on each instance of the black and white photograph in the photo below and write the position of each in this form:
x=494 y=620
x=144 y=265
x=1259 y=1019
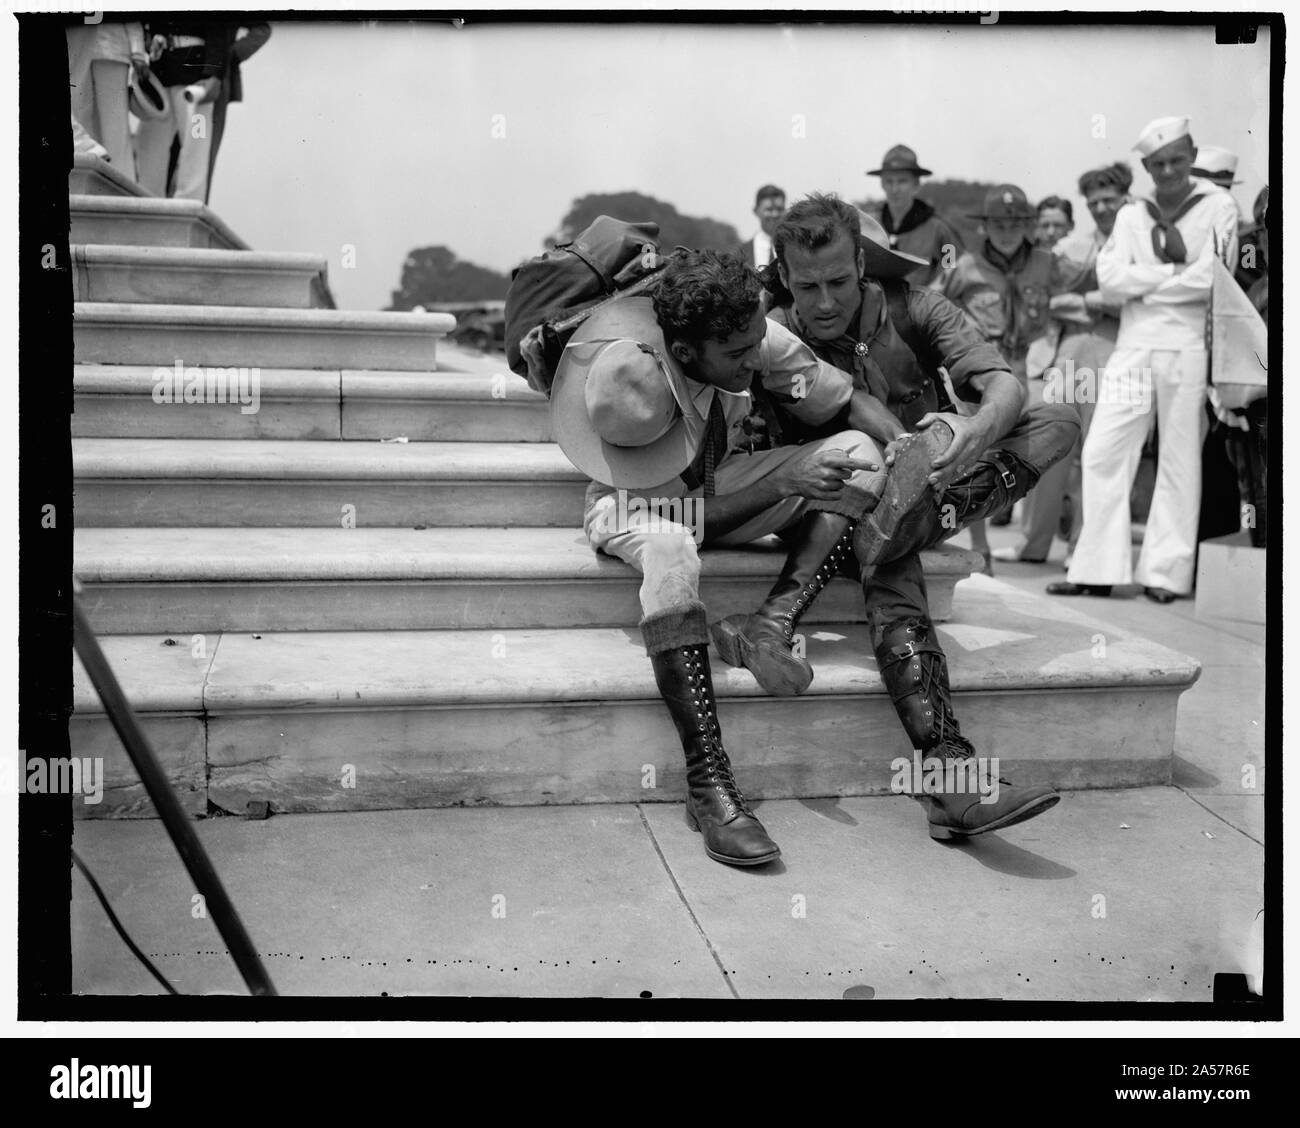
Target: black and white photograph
x=745 y=508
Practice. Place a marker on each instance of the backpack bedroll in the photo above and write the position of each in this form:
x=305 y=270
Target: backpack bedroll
x=558 y=289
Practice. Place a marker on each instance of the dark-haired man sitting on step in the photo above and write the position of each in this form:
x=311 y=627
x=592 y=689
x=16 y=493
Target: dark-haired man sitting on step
x=650 y=400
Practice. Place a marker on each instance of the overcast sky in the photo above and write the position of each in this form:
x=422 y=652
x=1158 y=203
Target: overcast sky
x=389 y=138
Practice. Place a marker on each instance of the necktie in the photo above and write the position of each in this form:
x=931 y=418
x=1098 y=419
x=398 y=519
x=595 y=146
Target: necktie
x=1166 y=239
x=715 y=441
x=713 y=449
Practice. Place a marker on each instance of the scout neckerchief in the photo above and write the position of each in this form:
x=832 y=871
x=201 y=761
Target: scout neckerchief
x=851 y=352
x=916 y=215
x=1012 y=265
x=1166 y=239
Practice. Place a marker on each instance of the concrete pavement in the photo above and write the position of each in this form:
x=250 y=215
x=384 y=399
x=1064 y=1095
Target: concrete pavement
x=1129 y=895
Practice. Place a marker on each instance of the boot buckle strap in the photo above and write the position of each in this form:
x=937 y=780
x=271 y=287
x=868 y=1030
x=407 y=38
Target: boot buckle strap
x=901 y=652
x=1005 y=471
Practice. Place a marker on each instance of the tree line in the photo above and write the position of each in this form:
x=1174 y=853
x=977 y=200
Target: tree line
x=432 y=275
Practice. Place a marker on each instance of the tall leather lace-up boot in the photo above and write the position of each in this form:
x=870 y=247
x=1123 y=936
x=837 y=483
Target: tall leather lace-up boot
x=763 y=642
x=678 y=646
x=961 y=799
x=996 y=483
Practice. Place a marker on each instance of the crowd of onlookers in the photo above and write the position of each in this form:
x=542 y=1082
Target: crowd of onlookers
x=1113 y=321
x=151 y=97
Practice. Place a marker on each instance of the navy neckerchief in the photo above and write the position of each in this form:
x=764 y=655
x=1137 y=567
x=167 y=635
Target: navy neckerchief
x=850 y=352
x=1166 y=239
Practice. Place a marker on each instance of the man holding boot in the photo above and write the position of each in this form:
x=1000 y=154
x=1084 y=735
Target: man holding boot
x=650 y=399
x=946 y=470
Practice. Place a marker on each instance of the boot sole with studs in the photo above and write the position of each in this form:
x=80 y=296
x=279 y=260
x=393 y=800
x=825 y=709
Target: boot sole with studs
x=910 y=473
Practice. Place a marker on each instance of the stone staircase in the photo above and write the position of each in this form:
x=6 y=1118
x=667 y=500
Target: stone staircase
x=373 y=591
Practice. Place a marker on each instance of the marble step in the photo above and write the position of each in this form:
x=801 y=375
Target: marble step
x=94 y=176
x=140 y=333
x=381 y=720
x=148 y=221
x=205 y=580
x=483 y=405
x=196 y=276
x=250 y=482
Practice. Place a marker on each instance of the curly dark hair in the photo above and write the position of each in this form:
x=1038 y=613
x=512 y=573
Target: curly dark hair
x=1117 y=175
x=705 y=296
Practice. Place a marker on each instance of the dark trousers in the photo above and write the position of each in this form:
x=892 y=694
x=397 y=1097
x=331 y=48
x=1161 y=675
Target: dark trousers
x=218 y=128
x=1249 y=453
x=1044 y=434
x=1233 y=475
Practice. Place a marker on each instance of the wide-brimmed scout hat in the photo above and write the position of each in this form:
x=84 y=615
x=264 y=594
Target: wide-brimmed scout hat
x=899 y=159
x=147 y=99
x=621 y=407
x=881 y=260
x=1006 y=201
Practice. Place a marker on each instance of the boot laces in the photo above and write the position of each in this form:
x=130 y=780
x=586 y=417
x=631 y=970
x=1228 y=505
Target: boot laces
x=720 y=769
x=949 y=743
x=720 y=764
x=820 y=578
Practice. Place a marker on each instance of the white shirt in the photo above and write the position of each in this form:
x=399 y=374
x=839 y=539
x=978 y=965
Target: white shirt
x=762 y=249
x=1165 y=309
x=1080 y=247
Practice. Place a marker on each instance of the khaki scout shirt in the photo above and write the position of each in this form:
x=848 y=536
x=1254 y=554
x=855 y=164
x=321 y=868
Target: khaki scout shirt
x=1010 y=301
x=904 y=374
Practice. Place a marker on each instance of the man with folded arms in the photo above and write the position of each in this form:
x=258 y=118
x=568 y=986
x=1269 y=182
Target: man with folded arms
x=1159 y=263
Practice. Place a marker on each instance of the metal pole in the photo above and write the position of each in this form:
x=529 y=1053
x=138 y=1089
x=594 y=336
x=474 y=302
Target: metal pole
x=169 y=809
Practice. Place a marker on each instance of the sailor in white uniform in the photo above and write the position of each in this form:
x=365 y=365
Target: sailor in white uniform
x=1158 y=262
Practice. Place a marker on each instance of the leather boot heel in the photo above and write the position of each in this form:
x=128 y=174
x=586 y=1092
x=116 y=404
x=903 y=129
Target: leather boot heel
x=764 y=642
x=728 y=638
x=754 y=643
x=691 y=820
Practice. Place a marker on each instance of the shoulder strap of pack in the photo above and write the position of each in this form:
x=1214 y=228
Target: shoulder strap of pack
x=568 y=320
